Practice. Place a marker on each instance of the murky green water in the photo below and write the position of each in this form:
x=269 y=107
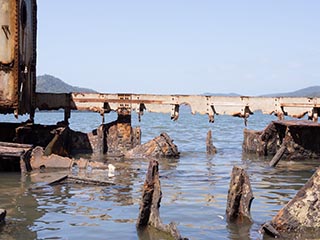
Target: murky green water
x=194 y=187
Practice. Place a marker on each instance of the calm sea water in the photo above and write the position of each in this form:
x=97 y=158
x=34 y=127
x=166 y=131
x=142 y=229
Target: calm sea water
x=194 y=187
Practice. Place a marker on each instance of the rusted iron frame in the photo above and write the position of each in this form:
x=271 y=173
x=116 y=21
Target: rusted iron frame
x=234 y=102
x=210 y=105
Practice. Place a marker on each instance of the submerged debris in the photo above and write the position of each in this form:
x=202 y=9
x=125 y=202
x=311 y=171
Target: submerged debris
x=161 y=146
x=80 y=180
x=302 y=212
x=56 y=144
x=149 y=214
x=288 y=140
x=3 y=214
x=38 y=160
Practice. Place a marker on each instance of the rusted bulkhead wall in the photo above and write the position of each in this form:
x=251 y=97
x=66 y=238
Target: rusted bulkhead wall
x=264 y=143
x=252 y=142
x=121 y=137
x=18 y=25
x=112 y=138
x=35 y=134
x=302 y=140
x=306 y=142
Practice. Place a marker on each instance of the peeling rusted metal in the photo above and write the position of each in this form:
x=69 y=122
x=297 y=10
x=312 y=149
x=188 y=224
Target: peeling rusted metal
x=18 y=25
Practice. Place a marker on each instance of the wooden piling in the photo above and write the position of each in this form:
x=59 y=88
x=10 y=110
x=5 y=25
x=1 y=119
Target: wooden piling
x=239 y=197
x=211 y=149
x=149 y=214
x=277 y=157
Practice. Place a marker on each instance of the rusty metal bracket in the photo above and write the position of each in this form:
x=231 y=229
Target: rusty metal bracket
x=211 y=114
x=314 y=114
x=175 y=112
x=247 y=113
x=142 y=107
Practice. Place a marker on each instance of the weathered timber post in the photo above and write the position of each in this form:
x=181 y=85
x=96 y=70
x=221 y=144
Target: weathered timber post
x=277 y=157
x=210 y=148
x=239 y=197
x=302 y=212
x=3 y=214
x=149 y=214
x=283 y=149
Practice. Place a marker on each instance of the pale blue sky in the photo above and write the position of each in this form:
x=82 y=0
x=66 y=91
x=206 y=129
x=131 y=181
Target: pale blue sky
x=250 y=47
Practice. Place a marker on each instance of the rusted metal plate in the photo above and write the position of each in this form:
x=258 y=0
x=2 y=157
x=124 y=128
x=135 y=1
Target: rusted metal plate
x=298 y=123
x=27 y=54
x=8 y=55
x=53 y=101
x=17 y=55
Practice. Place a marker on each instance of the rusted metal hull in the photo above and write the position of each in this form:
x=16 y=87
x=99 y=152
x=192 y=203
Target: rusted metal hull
x=18 y=25
x=288 y=140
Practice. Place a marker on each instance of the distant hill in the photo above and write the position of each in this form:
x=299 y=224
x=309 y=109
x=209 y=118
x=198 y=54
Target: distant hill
x=313 y=91
x=50 y=84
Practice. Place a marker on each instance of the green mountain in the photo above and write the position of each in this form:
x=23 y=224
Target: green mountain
x=50 y=84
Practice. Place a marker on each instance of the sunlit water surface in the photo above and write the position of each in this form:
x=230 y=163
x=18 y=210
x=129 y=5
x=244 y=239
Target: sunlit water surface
x=194 y=187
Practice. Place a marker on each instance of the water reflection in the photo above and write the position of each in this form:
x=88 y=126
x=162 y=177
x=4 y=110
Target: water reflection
x=68 y=206
x=21 y=206
x=239 y=231
x=151 y=233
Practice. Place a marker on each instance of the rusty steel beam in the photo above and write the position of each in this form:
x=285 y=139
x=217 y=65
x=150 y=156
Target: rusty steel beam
x=241 y=106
